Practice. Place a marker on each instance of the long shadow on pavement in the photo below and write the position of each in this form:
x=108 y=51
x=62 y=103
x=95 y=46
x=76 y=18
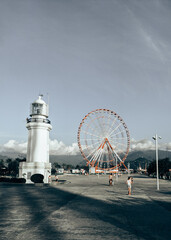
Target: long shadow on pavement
x=139 y=217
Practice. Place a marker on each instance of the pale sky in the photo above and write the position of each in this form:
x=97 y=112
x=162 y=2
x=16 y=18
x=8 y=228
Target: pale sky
x=113 y=54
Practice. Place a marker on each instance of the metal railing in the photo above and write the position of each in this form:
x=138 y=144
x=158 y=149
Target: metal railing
x=38 y=120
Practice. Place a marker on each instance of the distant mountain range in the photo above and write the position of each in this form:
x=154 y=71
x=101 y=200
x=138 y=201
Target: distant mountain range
x=148 y=154
x=141 y=157
x=138 y=156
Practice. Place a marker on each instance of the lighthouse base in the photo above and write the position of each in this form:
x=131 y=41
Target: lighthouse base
x=27 y=169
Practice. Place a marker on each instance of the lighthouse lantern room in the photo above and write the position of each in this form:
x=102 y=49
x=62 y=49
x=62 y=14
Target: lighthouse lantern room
x=39 y=126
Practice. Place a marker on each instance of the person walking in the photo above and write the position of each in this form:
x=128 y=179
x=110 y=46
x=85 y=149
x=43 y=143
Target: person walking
x=110 y=180
x=129 y=184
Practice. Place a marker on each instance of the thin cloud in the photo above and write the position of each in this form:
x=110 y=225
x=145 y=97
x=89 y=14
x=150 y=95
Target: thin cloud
x=14 y=146
x=140 y=145
x=145 y=144
x=152 y=44
x=59 y=148
x=149 y=39
x=56 y=147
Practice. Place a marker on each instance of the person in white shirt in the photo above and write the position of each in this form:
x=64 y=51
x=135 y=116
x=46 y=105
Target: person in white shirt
x=129 y=183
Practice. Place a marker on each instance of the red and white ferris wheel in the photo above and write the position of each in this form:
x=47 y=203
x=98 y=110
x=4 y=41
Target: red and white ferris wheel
x=103 y=139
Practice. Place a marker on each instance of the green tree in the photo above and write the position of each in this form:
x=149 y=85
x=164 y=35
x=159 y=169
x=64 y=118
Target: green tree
x=163 y=164
x=56 y=165
x=2 y=163
x=64 y=165
x=9 y=160
x=78 y=167
x=13 y=168
x=3 y=169
x=151 y=168
x=53 y=171
x=21 y=159
x=69 y=167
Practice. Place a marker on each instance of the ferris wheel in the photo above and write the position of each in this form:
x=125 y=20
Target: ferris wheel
x=103 y=139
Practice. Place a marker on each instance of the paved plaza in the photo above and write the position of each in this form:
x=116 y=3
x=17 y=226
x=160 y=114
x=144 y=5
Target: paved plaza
x=86 y=207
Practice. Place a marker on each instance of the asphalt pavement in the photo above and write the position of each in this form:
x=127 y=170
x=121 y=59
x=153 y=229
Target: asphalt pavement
x=86 y=207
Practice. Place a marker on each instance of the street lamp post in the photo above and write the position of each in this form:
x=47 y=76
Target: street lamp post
x=128 y=169
x=117 y=170
x=157 y=167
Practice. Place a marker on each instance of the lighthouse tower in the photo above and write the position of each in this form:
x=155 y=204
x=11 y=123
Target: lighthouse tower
x=38 y=126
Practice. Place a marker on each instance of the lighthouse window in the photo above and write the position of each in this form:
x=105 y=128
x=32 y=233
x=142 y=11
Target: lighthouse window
x=37 y=108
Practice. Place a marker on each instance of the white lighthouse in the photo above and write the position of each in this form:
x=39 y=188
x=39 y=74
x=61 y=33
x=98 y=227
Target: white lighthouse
x=38 y=126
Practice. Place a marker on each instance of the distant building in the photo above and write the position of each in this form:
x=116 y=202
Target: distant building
x=75 y=171
x=60 y=171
